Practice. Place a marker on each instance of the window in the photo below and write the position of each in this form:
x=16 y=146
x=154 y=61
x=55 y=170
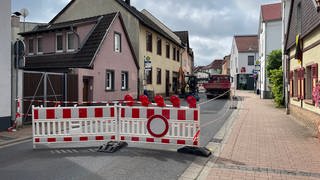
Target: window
x=110 y=80
x=308 y=82
x=178 y=55
x=250 y=60
x=168 y=50
x=59 y=43
x=295 y=83
x=39 y=45
x=149 y=42
x=311 y=80
x=124 y=81
x=299 y=19
x=30 y=44
x=158 y=76
x=117 y=42
x=70 y=41
x=174 y=53
x=159 y=46
x=149 y=76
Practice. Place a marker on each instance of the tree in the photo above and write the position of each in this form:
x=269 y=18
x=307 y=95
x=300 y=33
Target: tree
x=274 y=61
x=275 y=75
x=276 y=81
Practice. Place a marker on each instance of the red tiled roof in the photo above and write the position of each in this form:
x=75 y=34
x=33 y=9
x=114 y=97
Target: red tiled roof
x=216 y=64
x=271 y=12
x=247 y=43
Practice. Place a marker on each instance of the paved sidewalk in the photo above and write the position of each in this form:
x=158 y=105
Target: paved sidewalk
x=264 y=143
x=20 y=134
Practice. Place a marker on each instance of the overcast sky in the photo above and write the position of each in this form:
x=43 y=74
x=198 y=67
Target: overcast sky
x=211 y=23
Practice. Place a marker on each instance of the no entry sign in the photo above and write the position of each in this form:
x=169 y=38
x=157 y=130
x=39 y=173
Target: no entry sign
x=157 y=126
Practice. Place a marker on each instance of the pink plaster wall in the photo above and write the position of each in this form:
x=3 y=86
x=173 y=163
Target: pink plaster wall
x=49 y=39
x=107 y=59
x=84 y=30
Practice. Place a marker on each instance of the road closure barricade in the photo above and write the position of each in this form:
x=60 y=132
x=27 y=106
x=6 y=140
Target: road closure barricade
x=73 y=124
x=120 y=123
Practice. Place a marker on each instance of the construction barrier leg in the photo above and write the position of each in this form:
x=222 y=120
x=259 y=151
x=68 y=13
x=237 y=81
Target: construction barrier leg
x=199 y=151
x=112 y=146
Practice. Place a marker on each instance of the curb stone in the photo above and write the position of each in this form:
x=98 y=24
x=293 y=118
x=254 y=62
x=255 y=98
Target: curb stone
x=196 y=171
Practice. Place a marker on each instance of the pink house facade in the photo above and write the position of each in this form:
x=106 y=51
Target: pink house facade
x=96 y=49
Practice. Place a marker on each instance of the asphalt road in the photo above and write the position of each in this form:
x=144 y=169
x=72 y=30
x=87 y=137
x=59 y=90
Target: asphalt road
x=132 y=162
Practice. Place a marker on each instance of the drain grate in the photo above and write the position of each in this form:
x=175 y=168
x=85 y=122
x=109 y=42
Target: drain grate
x=5 y=138
x=215 y=140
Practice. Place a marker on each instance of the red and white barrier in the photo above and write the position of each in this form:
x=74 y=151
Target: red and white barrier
x=74 y=124
x=177 y=126
x=165 y=125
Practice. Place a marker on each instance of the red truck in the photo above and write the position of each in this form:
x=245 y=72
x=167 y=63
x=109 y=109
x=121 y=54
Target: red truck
x=217 y=85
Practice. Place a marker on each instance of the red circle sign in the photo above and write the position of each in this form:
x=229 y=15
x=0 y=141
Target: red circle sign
x=157 y=126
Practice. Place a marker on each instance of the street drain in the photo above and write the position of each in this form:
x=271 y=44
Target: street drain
x=215 y=140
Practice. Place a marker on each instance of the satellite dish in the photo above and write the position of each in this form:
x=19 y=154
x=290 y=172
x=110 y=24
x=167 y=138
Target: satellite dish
x=24 y=12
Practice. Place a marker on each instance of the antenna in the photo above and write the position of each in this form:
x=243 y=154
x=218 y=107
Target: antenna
x=24 y=13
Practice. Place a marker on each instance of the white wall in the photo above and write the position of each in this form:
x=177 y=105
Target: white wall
x=243 y=62
x=273 y=36
x=5 y=58
x=234 y=63
x=270 y=39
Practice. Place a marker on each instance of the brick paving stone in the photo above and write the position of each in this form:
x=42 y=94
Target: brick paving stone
x=265 y=143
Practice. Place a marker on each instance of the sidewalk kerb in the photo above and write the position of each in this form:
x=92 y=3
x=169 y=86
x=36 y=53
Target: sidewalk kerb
x=215 y=148
x=14 y=141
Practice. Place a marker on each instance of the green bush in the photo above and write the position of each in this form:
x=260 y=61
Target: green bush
x=275 y=75
x=276 y=81
x=274 y=61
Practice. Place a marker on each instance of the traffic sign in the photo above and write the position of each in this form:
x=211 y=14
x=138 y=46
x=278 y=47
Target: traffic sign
x=157 y=126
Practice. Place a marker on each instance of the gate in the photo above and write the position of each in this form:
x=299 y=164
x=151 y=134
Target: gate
x=41 y=87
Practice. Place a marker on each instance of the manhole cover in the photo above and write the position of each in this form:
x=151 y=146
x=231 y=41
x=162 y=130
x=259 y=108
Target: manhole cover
x=215 y=140
x=6 y=138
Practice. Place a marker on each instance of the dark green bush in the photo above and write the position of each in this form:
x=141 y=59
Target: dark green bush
x=275 y=75
x=276 y=81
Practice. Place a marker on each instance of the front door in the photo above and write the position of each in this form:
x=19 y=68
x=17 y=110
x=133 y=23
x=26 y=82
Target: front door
x=167 y=83
x=87 y=94
x=85 y=90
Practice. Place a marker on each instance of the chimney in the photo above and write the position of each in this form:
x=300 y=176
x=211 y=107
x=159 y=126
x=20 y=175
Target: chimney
x=128 y=2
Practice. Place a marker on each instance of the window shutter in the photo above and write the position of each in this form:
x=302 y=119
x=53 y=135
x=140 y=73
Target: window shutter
x=291 y=83
x=314 y=74
x=299 y=83
x=302 y=82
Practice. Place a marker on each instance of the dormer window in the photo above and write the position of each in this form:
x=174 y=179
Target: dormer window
x=59 y=43
x=30 y=46
x=117 y=42
x=70 y=41
x=317 y=4
x=39 y=45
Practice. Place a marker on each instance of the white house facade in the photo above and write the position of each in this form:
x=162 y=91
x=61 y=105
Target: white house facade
x=270 y=35
x=244 y=53
x=5 y=64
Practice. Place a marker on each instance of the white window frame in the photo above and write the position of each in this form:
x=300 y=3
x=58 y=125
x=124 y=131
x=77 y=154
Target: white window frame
x=109 y=79
x=39 y=52
x=116 y=34
x=67 y=42
x=124 y=80
x=59 y=34
x=31 y=53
